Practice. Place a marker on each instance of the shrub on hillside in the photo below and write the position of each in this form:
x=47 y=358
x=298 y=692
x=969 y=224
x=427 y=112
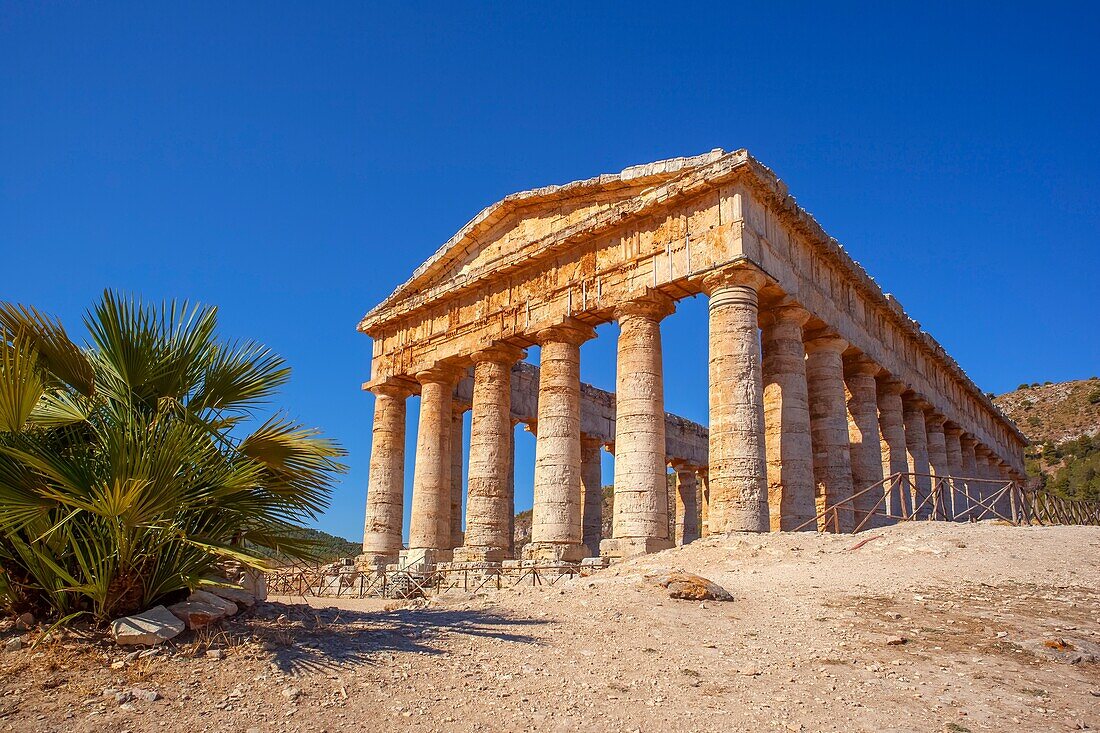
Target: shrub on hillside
x=128 y=467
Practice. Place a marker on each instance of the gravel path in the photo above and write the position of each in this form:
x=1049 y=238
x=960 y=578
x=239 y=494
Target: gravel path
x=925 y=627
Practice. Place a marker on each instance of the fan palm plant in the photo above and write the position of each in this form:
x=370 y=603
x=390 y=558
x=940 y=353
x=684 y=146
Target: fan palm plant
x=131 y=465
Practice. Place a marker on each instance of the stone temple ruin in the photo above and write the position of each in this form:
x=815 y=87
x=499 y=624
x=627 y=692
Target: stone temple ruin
x=820 y=385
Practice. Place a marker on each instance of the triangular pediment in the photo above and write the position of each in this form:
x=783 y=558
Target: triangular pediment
x=514 y=226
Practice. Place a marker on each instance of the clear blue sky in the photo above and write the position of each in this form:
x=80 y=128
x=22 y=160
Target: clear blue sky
x=293 y=164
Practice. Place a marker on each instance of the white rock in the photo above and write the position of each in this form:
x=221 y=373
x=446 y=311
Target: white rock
x=236 y=595
x=202 y=596
x=150 y=627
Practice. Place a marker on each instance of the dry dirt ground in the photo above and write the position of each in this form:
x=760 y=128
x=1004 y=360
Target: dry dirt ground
x=1001 y=628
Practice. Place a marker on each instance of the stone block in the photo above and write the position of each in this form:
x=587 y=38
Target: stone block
x=621 y=548
x=202 y=596
x=150 y=627
x=195 y=614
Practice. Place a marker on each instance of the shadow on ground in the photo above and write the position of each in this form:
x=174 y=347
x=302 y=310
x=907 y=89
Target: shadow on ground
x=303 y=639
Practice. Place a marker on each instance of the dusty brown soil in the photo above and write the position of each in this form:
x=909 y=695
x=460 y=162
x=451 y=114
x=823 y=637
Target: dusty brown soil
x=1000 y=625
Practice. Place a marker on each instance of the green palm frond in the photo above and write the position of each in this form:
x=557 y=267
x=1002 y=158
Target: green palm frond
x=22 y=381
x=121 y=478
x=57 y=354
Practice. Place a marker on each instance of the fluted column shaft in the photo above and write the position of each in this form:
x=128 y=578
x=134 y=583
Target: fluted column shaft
x=386 y=480
x=456 y=475
x=704 y=503
x=865 y=445
x=984 y=489
x=787 y=419
x=640 y=521
x=937 y=457
x=738 y=461
x=687 y=505
x=556 y=516
x=970 y=471
x=891 y=425
x=430 y=524
x=591 y=496
x=829 y=428
x=952 y=435
x=489 y=500
x=916 y=448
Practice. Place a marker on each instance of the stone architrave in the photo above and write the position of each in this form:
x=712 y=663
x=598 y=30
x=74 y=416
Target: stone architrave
x=640 y=509
x=829 y=430
x=490 y=506
x=591 y=495
x=916 y=448
x=687 y=505
x=865 y=443
x=386 y=481
x=895 y=459
x=737 y=471
x=556 y=517
x=787 y=419
x=430 y=524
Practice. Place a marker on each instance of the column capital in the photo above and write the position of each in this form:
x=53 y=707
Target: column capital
x=860 y=365
x=398 y=389
x=887 y=385
x=569 y=331
x=743 y=273
x=981 y=451
x=440 y=374
x=501 y=353
x=786 y=312
x=968 y=441
x=654 y=304
x=950 y=428
x=590 y=442
x=933 y=419
x=825 y=342
x=913 y=401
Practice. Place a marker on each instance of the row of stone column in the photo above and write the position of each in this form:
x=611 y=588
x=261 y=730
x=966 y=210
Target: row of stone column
x=799 y=422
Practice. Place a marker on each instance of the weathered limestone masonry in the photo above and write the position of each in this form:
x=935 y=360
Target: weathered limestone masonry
x=842 y=389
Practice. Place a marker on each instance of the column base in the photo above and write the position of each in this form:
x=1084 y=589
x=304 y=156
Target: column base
x=623 y=547
x=554 y=552
x=415 y=558
x=478 y=554
x=375 y=560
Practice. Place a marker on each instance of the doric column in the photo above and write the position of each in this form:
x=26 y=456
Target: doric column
x=737 y=461
x=591 y=495
x=864 y=441
x=687 y=505
x=787 y=419
x=984 y=489
x=640 y=522
x=829 y=428
x=704 y=502
x=952 y=435
x=970 y=471
x=489 y=501
x=937 y=457
x=386 y=481
x=916 y=448
x=512 y=488
x=430 y=524
x=891 y=426
x=456 y=474
x=556 y=516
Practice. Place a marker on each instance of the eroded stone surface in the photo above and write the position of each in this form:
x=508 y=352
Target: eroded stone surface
x=154 y=626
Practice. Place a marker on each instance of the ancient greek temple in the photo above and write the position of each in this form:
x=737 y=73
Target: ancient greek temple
x=820 y=385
